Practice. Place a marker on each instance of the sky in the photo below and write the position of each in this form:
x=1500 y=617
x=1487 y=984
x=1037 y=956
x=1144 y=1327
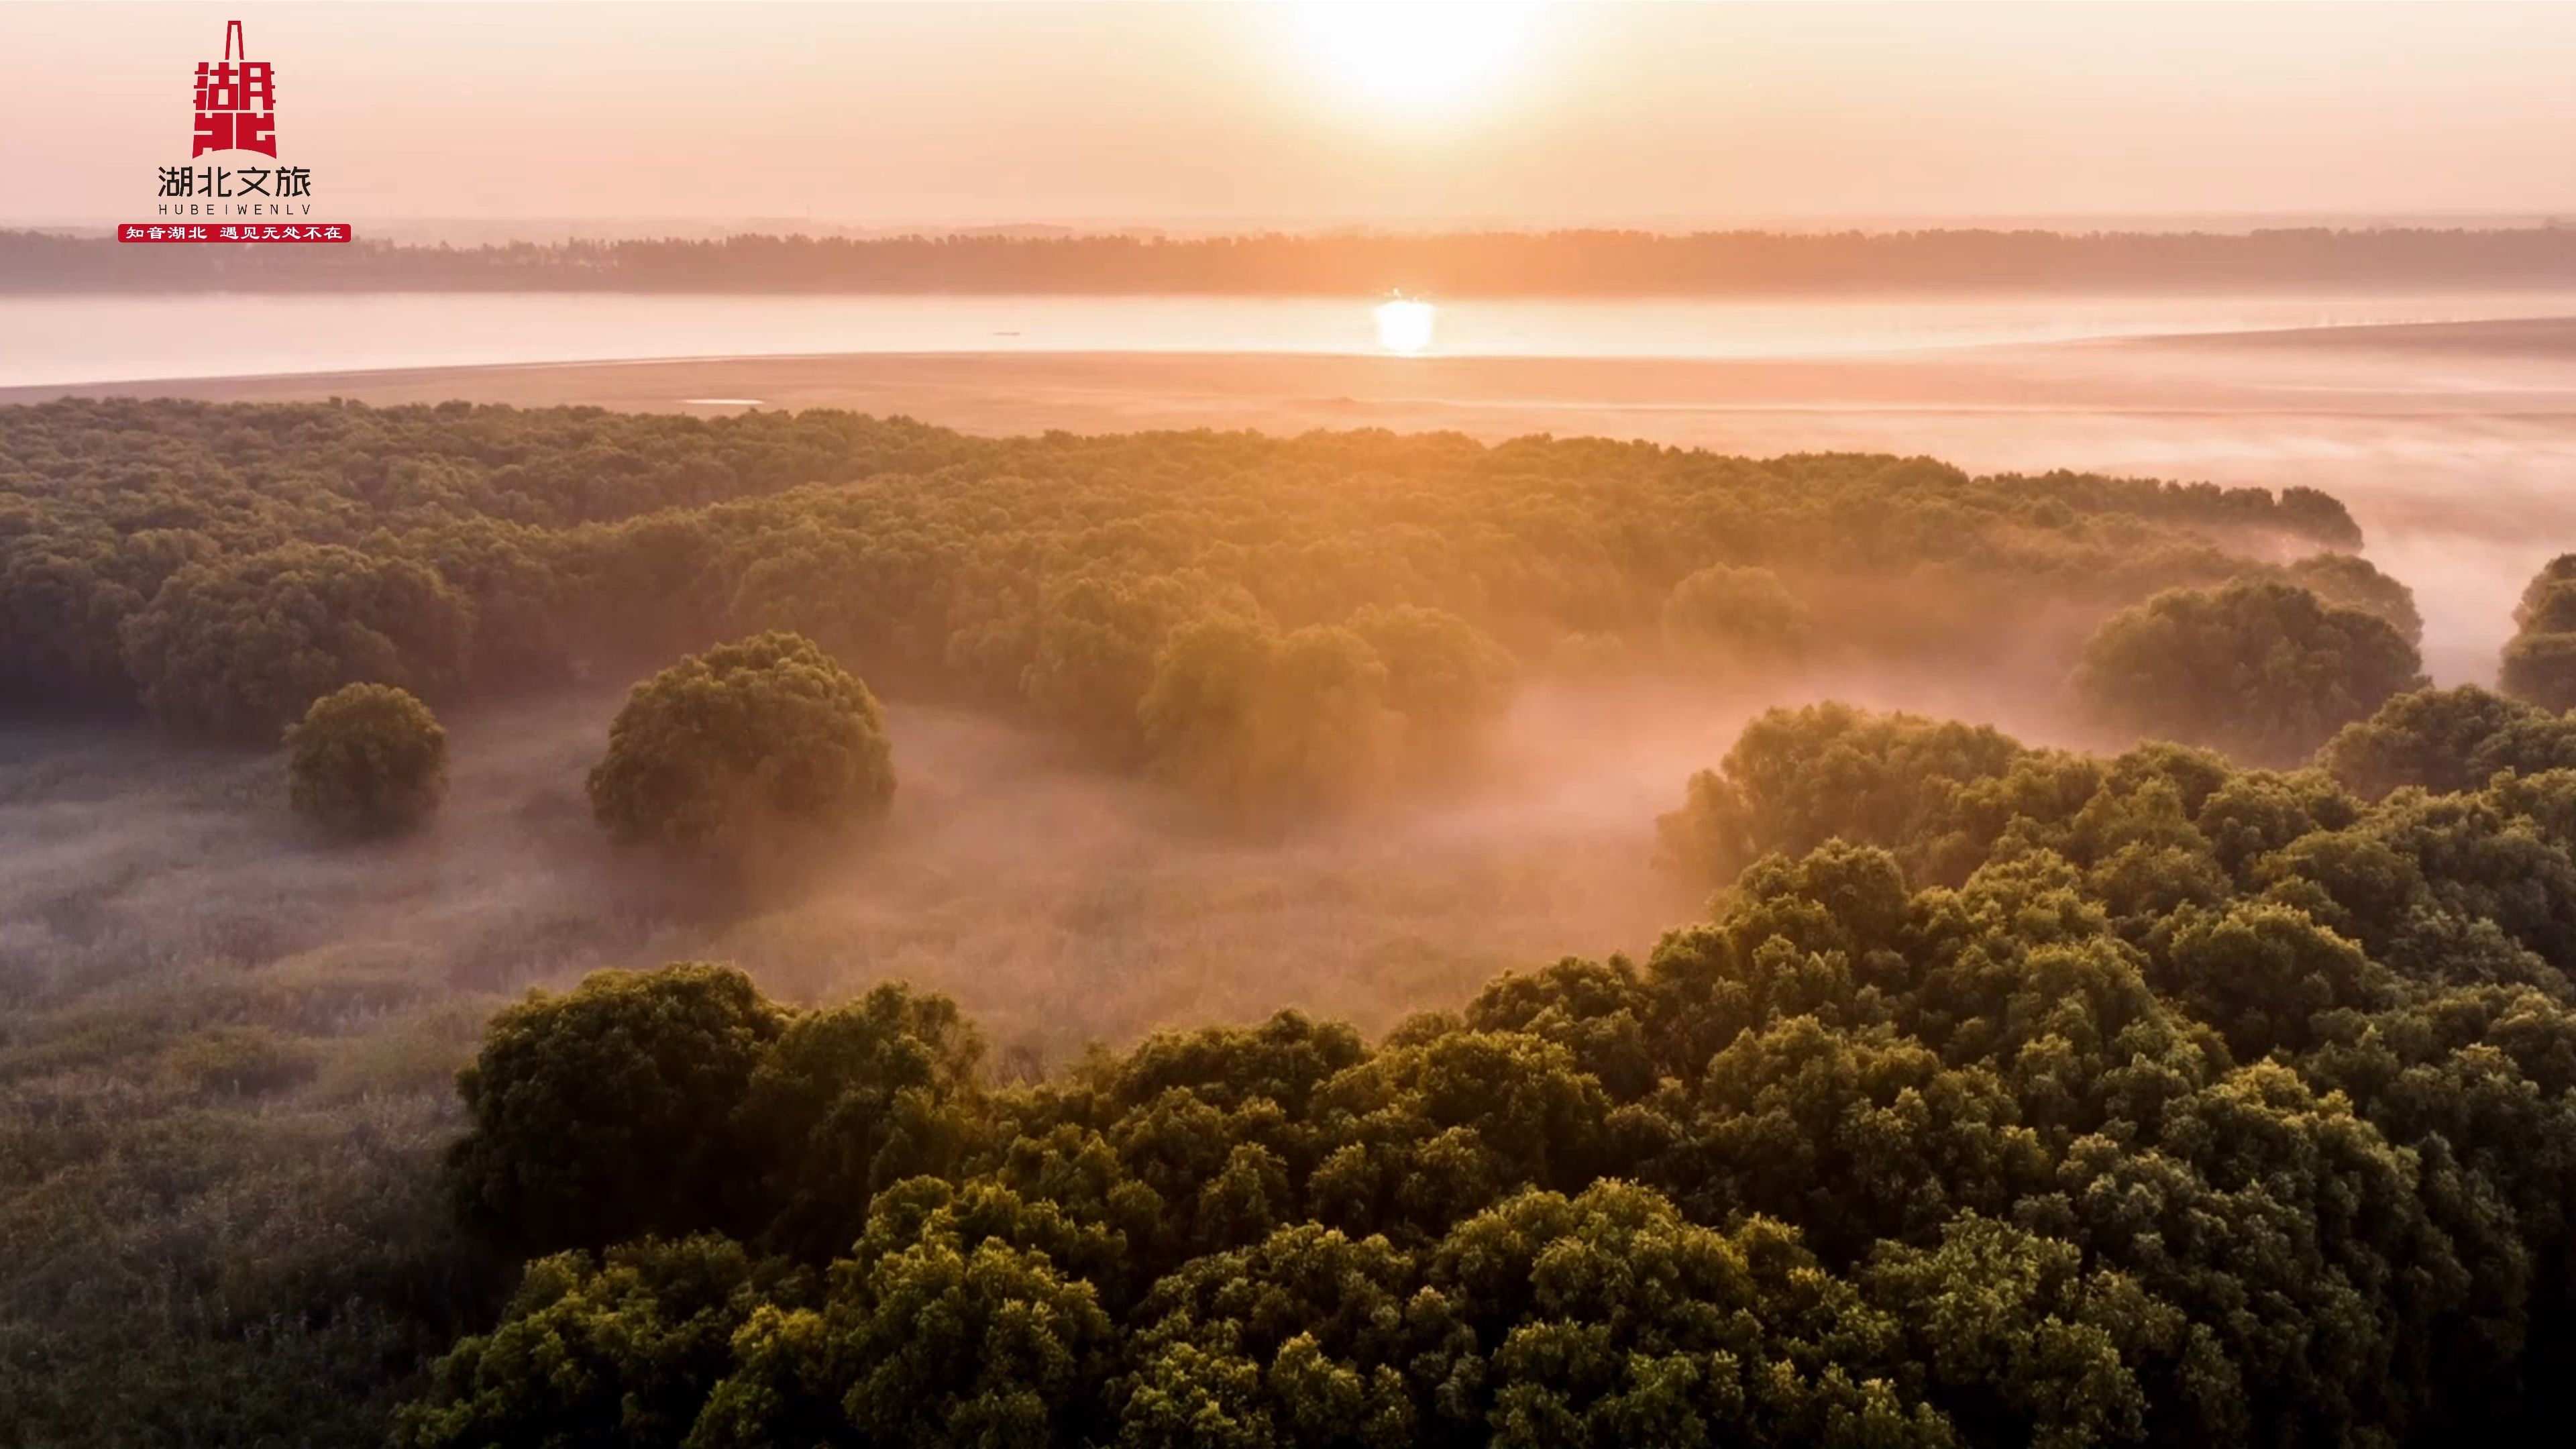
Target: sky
x=1211 y=116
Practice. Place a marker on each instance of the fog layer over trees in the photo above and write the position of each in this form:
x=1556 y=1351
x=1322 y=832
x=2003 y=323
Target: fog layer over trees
x=1986 y=1091
x=2050 y=1098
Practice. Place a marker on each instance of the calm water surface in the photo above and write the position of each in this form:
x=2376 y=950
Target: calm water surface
x=88 y=339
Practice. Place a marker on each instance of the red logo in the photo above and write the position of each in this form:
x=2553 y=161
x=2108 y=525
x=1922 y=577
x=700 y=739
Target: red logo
x=236 y=111
x=236 y=101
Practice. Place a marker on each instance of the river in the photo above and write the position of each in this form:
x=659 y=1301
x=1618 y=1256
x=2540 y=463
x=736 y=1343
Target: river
x=83 y=339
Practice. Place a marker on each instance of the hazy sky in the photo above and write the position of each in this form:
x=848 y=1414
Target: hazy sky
x=1209 y=114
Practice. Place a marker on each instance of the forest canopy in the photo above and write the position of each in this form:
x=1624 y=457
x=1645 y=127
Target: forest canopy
x=2001 y=1095
x=2007 y=1096
x=1277 y=622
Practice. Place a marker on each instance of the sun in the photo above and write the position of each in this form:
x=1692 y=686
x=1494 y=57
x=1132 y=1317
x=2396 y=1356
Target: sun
x=1408 y=55
x=1404 y=325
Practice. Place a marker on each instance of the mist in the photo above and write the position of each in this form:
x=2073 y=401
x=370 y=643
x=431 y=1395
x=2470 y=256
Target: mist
x=1061 y=903
x=277 y=1015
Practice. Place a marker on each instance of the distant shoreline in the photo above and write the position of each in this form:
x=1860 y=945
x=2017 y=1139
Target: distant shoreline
x=1567 y=264
x=1491 y=396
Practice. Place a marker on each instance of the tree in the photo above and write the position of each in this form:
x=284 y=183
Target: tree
x=2262 y=974
x=2540 y=659
x=2446 y=741
x=2022 y=1344
x=2196 y=1105
x=1798 y=778
x=1268 y=725
x=238 y=649
x=608 y=1112
x=1424 y=1134
x=367 y=758
x=2349 y=581
x=953 y=1322
x=2544 y=599
x=1608 y=1318
x=1443 y=674
x=1298 y=1339
x=1731 y=617
x=851 y=1100
x=2541 y=668
x=2265 y=671
x=1094 y=642
x=727 y=751
x=622 y=1350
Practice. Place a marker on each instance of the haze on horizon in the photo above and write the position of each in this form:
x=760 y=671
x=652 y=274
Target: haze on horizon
x=1508 y=114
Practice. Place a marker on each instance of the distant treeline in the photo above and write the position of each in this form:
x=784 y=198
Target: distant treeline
x=1567 y=263
x=1275 y=623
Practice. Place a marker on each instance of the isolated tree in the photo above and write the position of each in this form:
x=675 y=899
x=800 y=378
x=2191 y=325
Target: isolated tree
x=2263 y=670
x=366 y=758
x=731 y=749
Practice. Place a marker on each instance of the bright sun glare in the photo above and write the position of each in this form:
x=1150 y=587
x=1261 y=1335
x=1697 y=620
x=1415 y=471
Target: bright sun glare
x=1414 y=56
x=1404 y=325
